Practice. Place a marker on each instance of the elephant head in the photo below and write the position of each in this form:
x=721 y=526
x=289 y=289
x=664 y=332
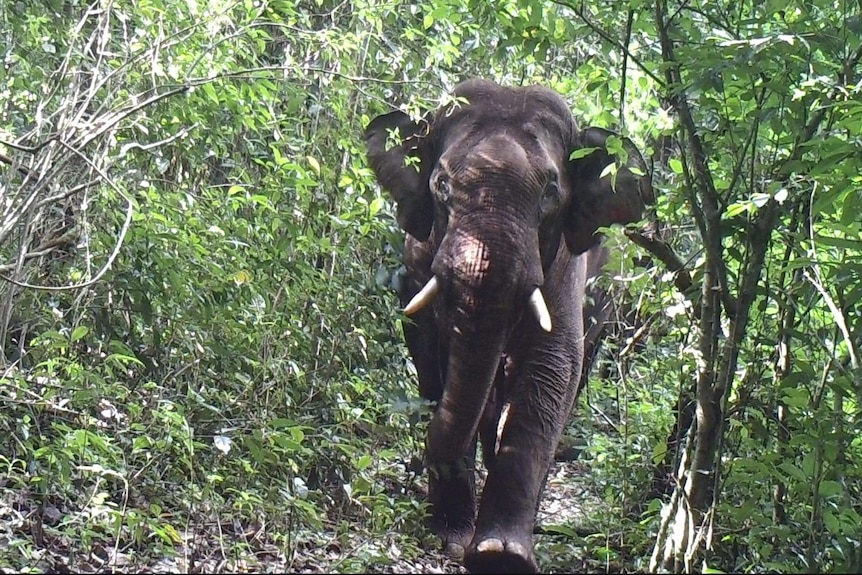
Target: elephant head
x=500 y=193
x=506 y=153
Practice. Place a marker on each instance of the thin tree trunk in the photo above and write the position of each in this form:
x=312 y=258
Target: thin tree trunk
x=687 y=519
x=783 y=362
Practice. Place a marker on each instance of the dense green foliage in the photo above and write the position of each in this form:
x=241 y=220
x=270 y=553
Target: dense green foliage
x=217 y=374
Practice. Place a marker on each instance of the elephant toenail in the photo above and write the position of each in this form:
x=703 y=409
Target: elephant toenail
x=490 y=546
x=516 y=548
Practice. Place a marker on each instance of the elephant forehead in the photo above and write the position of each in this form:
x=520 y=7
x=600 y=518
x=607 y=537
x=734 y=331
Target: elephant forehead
x=498 y=150
x=474 y=157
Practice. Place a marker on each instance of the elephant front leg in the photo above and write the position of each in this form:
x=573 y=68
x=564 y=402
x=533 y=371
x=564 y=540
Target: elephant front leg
x=538 y=410
x=451 y=478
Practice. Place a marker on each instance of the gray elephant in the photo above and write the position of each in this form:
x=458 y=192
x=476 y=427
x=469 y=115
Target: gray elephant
x=501 y=196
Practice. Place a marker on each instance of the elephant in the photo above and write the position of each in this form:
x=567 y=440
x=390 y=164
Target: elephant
x=501 y=196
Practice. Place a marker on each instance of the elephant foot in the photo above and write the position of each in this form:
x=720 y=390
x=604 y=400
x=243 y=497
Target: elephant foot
x=452 y=493
x=494 y=555
x=454 y=540
x=455 y=544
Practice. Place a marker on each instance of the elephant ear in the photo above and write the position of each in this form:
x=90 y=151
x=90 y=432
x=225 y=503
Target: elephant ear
x=601 y=200
x=395 y=146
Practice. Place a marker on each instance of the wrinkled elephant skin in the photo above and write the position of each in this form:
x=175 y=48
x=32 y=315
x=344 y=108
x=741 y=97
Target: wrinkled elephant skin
x=501 y=222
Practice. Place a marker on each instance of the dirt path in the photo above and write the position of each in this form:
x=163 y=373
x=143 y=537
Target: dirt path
x=566 y=507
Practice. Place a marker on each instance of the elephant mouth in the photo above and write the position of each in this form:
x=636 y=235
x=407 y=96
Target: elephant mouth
x=536 y=302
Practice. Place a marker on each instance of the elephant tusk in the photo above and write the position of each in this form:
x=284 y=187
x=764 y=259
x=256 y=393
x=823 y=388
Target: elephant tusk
x=537 y=304
x=424 y=297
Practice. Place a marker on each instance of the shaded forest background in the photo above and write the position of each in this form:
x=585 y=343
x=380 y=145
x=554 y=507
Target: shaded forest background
x=201 y=348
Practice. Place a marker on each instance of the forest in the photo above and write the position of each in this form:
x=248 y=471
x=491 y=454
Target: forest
x=202 y=360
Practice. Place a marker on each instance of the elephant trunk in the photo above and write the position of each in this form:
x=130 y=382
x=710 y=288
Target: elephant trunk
x=473 y=363
x=484 y=279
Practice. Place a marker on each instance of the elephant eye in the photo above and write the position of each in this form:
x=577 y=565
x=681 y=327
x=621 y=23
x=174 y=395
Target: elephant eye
x=550 y=200
x=440 y=187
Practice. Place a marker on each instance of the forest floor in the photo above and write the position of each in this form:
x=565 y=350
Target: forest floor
x=218 y=548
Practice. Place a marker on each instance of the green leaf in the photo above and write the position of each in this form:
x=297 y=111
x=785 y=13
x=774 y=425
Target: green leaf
x=833 y=525
x=314 y=164
x=609 y=170
x=280 y=422
x=844 y=243
x=581 y=153
x=122 y=359
x=736 y=209
x=287 y=444
x=830 y=488
x=79 y=332
x=793 y=471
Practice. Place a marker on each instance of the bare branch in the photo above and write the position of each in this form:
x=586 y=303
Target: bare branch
x=666 y=255
x=816 y=279
x=67 y=194
x=114 y=253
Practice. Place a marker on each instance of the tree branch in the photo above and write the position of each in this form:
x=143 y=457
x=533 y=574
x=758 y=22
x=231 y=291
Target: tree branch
x=703 y=179
x=114 y=253
x=665 y=254
x=608 y=38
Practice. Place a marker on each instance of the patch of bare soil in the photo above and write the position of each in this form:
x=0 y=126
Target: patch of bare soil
x=567 y=499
